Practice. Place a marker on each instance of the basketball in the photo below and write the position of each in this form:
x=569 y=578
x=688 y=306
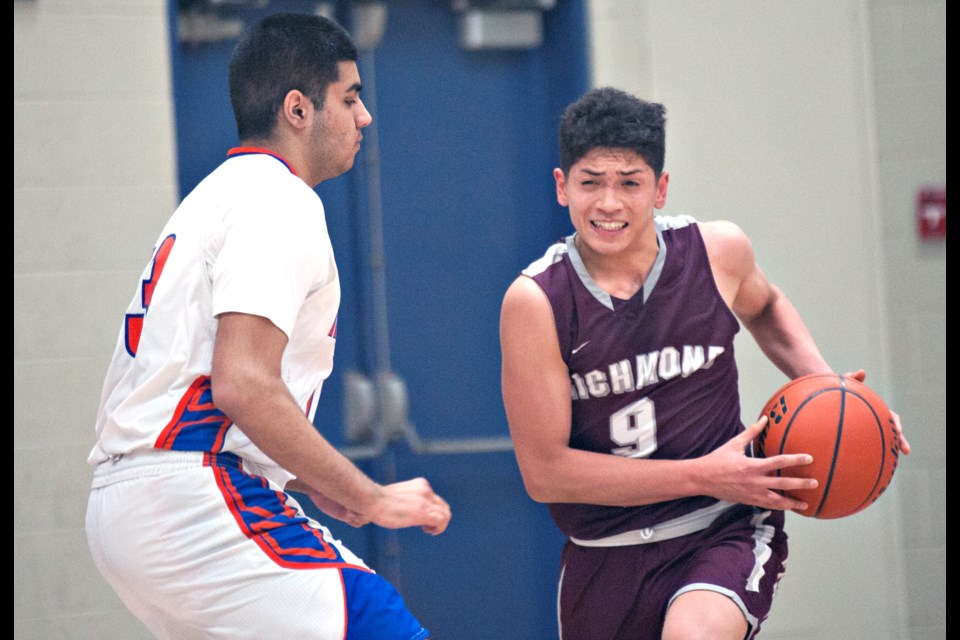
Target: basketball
x=848 y=430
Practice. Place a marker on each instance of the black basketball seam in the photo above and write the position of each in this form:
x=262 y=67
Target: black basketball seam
x=836 y=449
x=883 y=448
x=786 y=431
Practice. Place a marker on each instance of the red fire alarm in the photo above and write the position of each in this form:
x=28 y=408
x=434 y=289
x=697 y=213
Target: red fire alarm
x=932 y=213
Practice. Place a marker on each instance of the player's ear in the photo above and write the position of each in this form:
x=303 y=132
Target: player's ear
x=662 y=182
x=295 y=109
x=561 y=181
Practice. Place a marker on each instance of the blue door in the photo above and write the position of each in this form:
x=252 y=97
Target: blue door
x=450 y=197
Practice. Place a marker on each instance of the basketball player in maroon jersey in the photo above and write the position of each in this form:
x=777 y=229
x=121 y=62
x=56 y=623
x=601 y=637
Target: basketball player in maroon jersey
x=620 y=387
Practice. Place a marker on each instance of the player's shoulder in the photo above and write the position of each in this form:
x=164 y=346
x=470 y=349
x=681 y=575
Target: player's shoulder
x=526 y=318
x=526 y=308
x=262 y=176
x=681 y=221
x=728 y=247
x=545 y=278
x=552 y=256
x=262 y=188
x=723 y=236
x=712 y=231
x=524 y=291
x=718 y=235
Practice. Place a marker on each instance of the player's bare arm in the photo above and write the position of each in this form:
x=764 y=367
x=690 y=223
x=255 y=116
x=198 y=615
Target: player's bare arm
x=248 y=388
x=330 y=507
x=536 y=392
x=762 y=307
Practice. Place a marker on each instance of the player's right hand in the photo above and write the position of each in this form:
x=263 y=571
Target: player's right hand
x=411 y=503
x=730 y=474
x=860 y=375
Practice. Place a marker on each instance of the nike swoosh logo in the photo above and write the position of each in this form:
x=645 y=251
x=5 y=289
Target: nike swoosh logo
x=580 y=347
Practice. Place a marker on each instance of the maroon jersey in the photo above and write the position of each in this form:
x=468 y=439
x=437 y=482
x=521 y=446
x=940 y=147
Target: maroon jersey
x=650 y=377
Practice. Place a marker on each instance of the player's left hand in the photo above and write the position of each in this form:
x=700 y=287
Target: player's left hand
x=860 y=375
x=411 y=503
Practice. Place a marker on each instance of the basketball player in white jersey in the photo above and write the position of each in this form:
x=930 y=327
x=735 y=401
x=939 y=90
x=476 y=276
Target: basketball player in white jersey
x=206 y=413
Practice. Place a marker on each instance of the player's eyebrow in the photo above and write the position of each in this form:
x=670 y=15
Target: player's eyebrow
x=628 y=172
x=356 y=86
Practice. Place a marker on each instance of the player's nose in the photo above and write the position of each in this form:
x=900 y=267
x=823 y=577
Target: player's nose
x=363 y=116
x=609 y=201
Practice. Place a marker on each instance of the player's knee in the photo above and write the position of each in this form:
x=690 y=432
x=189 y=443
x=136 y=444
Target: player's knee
x=703 y=630
x=704 y=615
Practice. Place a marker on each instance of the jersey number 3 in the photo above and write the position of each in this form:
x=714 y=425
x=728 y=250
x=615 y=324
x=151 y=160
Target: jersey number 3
x=634 y=428
x=133 y=325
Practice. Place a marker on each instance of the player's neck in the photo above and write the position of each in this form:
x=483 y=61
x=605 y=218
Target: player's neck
x=292 y=154
x=621 y=274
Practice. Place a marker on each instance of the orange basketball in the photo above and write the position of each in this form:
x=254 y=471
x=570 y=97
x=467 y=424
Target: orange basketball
x=848 y=430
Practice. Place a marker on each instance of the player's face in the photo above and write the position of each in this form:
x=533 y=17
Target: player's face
x=336 y=128
x=611 y=194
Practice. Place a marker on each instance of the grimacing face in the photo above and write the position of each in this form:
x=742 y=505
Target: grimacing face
x=611 y=195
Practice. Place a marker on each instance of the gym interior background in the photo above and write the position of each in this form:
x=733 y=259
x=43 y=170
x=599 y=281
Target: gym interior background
x=817 y=125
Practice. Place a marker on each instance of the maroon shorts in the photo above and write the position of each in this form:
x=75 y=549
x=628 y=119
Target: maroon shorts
x=609 y=593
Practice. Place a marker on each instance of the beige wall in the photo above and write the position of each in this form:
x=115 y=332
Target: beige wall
x=93 y=180
x=811 y=123
x=908 y=47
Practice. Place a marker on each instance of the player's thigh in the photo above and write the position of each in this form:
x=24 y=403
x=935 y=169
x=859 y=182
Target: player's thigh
x=331 y=603
x=617 y=593
x=734 y=574
x=704 y=615
x=217 y=553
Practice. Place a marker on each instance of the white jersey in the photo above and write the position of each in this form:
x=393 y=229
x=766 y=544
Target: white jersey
x=251 y=238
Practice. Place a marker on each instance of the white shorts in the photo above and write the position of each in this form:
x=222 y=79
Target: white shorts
x=197 y=546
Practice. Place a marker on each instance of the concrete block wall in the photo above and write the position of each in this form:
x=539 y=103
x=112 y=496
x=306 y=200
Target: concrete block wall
x=93 y=181
x=908 y=49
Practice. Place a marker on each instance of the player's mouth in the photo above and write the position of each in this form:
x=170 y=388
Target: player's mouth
x=608 y=225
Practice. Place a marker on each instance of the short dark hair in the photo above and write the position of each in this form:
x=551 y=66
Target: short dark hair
x=613 y=119
x=280 y=53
